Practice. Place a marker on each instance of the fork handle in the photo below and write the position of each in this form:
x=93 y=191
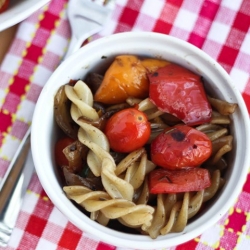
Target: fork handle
x=14 y=185
x=77 y=41
x=74 y=45
x=15 y=169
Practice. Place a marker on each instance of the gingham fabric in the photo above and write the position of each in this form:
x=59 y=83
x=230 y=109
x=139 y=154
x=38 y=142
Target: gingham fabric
x=218 y=27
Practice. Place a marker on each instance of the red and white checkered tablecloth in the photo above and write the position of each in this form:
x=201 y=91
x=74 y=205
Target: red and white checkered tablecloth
x=219 y=27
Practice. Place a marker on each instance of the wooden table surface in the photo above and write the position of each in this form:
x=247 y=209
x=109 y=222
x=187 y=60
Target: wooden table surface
x=6 y=36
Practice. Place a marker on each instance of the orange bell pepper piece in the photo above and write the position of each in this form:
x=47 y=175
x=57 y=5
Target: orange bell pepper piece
x=126 y=77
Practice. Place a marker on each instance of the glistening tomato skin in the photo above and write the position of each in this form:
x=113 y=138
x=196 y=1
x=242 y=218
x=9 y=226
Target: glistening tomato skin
x=60 y=158
x=178 y=91
x=178 y=181
x=4 y=6
x=127 y=130
x=180 y=147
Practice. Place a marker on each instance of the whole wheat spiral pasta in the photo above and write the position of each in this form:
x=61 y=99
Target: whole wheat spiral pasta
x=94 y=201
x=82 y=103
x=171 y=214
x=101 y=163
x=82 y=97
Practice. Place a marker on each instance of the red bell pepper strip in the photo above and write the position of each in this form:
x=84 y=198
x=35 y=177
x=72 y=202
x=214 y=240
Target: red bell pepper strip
x=177 y=181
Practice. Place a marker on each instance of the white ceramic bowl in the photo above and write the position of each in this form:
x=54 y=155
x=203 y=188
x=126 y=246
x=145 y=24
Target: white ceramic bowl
x=18 y=10
x=90 y=57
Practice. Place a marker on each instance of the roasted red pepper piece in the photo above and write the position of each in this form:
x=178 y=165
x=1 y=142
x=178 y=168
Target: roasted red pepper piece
x=177 y=181
x=5 y=5
x=180 y=147
x=178 y=91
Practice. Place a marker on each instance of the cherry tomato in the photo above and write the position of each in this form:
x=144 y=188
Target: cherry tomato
x=4 y=6
x=180 y=147
x=178 y=91
x=127 y=130
x=62 y=143
x=176 y=181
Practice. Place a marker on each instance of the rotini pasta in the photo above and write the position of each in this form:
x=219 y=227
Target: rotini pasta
x=93 y=201
x=125 y=195
x=171 y=214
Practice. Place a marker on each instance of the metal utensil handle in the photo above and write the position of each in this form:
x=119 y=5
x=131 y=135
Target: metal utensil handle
x=15 y=168
x=13 y=185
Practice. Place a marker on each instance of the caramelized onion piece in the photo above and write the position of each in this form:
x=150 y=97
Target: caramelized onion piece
x=75 y=153
x=119 y=106
x=94 y=81
x=209 y=128
x=217 y=134
x=62 y=114
x=221 y=142
x=72 y=179
x=171 y=120
x=220 y=147
x=100 y=123
x=223 y=107
x=99 y=107
x=117 y=156
x=217 y=118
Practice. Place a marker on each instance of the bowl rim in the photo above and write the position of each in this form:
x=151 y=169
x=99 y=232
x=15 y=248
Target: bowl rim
x=18 y=11
x=96 y=229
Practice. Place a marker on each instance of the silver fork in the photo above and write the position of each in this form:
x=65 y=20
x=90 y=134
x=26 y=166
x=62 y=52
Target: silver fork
x=94 y=14
x=86 y=17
